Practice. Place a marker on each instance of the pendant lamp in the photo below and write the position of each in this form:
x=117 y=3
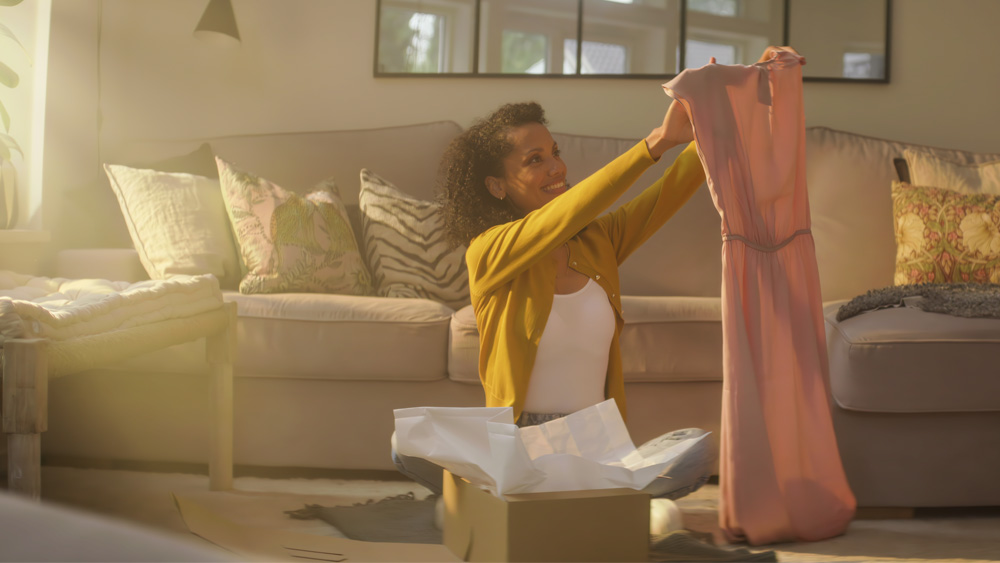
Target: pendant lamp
x=218 y=23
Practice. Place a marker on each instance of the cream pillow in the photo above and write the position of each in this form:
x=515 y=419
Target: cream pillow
x=929 y=170
x=292 y=243
x=177 y=222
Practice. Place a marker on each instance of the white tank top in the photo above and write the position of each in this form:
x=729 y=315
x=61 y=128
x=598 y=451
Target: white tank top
x=572 y=361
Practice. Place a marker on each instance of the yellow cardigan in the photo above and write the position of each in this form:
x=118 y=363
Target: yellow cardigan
x=512 y=279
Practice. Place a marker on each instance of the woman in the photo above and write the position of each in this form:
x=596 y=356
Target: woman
x=543 y=269
x=531 y=238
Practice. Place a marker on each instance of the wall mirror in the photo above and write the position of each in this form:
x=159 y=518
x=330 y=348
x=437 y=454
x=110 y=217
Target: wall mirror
x=844 y=40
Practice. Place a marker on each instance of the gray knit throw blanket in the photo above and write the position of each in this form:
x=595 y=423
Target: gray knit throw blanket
x=977 y=300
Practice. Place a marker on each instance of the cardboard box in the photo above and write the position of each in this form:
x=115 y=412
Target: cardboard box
x=597 y=525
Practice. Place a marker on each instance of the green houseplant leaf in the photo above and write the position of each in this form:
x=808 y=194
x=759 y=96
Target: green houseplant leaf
x=8 y=184
x=7 y=144
x=8 y=77
x=6 y=32
x=5 y=117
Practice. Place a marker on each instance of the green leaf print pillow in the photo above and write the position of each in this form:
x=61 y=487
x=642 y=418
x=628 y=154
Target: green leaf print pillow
x=292 y=243
x=945 y=236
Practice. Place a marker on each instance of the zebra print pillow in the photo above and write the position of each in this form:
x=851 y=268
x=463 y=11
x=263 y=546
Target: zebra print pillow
x=405 y=246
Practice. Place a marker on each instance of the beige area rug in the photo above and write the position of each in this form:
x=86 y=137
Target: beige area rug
x=967 y=536
x=145 y=498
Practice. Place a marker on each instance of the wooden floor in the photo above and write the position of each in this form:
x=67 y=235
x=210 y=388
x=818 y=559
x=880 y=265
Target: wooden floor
x=928 y=535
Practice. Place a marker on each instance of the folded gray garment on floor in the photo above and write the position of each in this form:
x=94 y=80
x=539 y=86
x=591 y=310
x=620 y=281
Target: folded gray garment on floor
x=685 y=545
x=398 y=519
x=404 y=519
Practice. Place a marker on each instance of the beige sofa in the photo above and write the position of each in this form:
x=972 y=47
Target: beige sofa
x=917 y=394
x=317 y=376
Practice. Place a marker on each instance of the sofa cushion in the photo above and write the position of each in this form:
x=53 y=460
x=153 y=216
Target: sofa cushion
x=663 y=265
x=300 y=160
x=406 y=248
x=463 y=346
x=323 y=336
x=89 y=216
x=945 y=236
x=290 y=242
x=672 y=338
x=927 y=169
x=906 y=360
x=849 y=178
x=665 y=339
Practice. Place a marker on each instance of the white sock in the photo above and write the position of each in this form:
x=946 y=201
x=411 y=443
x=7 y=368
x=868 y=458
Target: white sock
x=664 y=517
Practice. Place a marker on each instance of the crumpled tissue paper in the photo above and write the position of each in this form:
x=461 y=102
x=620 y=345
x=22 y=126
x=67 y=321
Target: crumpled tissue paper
x=589 y=449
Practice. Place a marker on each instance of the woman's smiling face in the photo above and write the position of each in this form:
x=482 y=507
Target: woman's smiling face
x=534 y=173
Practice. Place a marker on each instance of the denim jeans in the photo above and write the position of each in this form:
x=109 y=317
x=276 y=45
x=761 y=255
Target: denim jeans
x=682 y=477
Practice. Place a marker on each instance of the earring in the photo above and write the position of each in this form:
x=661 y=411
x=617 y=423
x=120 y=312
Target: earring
x=502 y=196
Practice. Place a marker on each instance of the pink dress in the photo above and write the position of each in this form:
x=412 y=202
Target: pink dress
x=781 y=477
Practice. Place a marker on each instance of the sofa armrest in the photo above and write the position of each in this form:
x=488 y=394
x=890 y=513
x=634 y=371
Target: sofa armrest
x=115 y=264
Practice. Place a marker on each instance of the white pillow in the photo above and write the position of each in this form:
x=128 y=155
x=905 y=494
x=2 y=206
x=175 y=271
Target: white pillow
x=929 y=170
x=406 y=248
x=178 y=223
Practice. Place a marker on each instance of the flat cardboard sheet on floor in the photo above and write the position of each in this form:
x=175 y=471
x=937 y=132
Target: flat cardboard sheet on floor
x=263 y=544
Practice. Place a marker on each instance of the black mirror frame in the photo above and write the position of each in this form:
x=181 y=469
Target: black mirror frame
x=579 y=52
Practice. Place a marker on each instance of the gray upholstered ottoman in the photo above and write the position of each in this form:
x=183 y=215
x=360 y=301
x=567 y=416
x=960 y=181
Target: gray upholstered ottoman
x=917 y=406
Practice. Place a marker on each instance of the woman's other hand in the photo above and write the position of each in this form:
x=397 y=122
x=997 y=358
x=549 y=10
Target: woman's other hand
x=675 y=129
x=772 y=50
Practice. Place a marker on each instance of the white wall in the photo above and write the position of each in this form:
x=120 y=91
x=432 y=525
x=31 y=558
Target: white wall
x=71 y=116
x=944 y=80
x=307 y=65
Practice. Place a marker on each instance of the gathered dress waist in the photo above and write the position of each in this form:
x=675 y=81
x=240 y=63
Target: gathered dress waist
x=764 y=247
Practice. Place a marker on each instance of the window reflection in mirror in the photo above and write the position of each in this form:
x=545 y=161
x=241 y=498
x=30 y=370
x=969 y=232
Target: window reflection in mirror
x=630 y=37
x=732 y=31
x=728 y=8
x=426 y=36
x=527 y=36
x=842 y=39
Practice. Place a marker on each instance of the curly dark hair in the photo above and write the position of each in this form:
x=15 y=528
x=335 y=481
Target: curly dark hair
x=467 y=207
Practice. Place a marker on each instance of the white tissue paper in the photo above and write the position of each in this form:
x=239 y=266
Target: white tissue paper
x=589 y=449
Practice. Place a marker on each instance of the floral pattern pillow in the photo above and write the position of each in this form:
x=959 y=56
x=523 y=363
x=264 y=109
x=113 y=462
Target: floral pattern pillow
x=292 y=243
x=945 y=236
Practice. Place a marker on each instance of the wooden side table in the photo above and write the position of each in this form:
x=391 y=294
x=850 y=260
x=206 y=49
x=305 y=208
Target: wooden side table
x=28 y=364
